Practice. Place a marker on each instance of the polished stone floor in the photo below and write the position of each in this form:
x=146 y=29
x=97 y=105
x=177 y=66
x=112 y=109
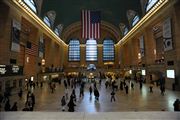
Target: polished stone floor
x=89 y=116
x=136 y=100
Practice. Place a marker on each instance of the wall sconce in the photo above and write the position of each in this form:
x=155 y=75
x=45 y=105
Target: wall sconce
x=43 y=62
x=27 y=59
x=139 y=55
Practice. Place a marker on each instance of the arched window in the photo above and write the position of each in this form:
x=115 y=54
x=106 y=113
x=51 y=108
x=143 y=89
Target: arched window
x=74 y=50
x=31 y=5
x=108 y=50
x=91 y=50
x=125 y=31
x=56 y=30
x=135 y=20
x=47 y=21
x=150 y=4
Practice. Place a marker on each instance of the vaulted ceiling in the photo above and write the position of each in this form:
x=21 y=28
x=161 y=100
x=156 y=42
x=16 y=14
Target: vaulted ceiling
x=69 y=11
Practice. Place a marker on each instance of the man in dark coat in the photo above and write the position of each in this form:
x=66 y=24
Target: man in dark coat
x=90 y=90
x=126 y=89
x=176 y=105
x=96 y=94
x=71 y=105
x=7 y=106
x=113 y=96
x=63 y=103
x=33 y=99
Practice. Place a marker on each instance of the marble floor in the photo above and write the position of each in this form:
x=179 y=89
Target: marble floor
x=89 y=116
x=136 y=100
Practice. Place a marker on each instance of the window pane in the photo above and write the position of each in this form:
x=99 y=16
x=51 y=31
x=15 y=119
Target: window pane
x=91 y=50
x=74 y=50
x=56 y=31
x=126 y=31
x=47 y=21
x=31 y=4
x=108 y=50
x=135 y=20
x=150 y=4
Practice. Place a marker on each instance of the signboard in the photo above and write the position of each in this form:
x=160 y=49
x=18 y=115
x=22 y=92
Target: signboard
x=170 y=73
x=167 y=35
x=3 y=69
x=10 y=70
x=142 y=49
x=16 y=27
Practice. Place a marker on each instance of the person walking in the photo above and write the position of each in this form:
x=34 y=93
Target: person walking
x=95 y=85
x=33 y=100
x=7 y=106
x=90 y=90
x=151 y=88
x=71 y=105
x=96 y=94
x=29 y=103
x=106 y=84
x=100 y=81
x=81 y=92
x=113 y=96
x=63 y=103
x=65 y=84
x=126 y=87
x=73 y=95
x=162 y=88
x=28 y=95
x=59 y=81
x=52 y=88
x=140 y=85
x=121 y=85
x=132 y=85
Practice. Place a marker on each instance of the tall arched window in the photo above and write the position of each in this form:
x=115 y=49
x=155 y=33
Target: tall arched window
x=108 y=50
x=150 y=4
x=135 y=20
x=31 y=5
x=56 y=30
x=47 y=21
x=125 y=31
x=91 y=50
x=74 y=50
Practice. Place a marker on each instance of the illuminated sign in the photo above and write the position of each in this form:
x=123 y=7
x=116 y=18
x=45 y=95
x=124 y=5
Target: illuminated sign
x=55 y=76
x=143 y=72
x=2 y=69
x=170 y=73
x=10 y=70
x=15 y=69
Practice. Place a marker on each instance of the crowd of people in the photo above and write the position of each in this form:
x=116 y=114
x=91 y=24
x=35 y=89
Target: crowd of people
x=110 y=83
x=72 y=84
